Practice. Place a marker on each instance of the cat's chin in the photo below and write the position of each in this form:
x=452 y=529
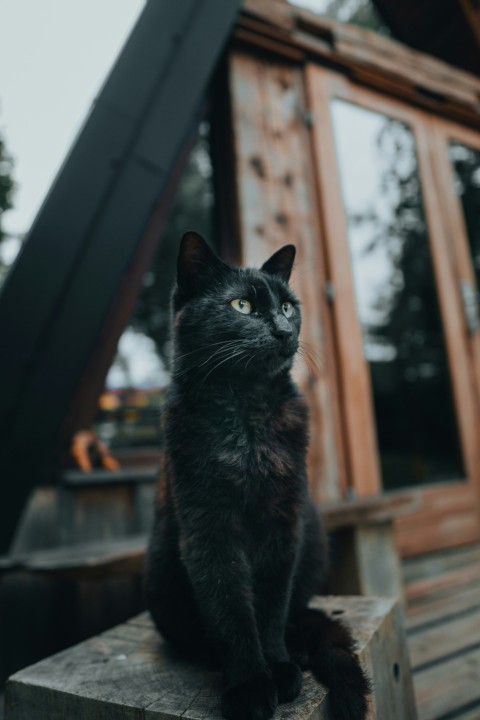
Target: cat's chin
x=280 y=366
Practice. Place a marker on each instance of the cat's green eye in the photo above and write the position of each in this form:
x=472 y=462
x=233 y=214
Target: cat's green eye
x=242 y=306
x=288 y=309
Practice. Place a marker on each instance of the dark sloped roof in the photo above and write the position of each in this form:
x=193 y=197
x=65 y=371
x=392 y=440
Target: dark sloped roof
x=84 y=239
x=447 y=29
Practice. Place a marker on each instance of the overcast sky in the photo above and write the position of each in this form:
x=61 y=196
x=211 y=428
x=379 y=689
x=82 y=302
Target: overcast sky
x=54 y=56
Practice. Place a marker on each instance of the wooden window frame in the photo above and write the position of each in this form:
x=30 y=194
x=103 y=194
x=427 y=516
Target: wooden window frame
x=388 y=76
x=449 y=512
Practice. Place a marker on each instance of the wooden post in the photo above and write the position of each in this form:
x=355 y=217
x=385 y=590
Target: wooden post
x=369 y=561
x=129 y=673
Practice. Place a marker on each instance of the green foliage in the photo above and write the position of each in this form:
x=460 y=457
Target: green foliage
x=6 y=183
x=357 y=12
x=416 y=426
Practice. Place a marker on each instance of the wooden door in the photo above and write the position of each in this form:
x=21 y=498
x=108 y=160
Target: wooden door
x=408 y=366
x=275 y=189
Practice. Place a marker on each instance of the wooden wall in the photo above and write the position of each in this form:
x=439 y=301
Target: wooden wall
x=276 y=203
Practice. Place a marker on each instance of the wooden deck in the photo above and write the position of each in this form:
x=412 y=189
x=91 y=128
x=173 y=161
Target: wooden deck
x=443 y=626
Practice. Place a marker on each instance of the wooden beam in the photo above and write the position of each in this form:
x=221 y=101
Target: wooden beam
x=446 y=30
x=364 y=56
x=56 y=298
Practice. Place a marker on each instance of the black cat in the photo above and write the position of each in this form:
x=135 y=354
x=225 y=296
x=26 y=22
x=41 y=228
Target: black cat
x=237 y=549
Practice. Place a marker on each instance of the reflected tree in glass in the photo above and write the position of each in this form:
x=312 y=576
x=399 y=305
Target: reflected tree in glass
x=466 y=182
x=362 y=13
x=396 y=298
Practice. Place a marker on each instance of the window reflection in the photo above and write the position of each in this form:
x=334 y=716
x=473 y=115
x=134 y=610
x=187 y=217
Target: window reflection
x=466 y=165
x=396 y=298
x=129 y=408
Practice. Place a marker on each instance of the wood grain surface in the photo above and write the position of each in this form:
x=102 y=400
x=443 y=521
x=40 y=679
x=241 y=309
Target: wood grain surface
x=129 y=673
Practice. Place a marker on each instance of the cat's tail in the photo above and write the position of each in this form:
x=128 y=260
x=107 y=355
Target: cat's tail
x=332 y=660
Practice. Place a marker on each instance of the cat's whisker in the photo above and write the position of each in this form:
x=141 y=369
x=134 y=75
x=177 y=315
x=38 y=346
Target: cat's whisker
x=249 y=361
x=230 y=357
x=226 y=347
x=221 y=350
x=313 y=354
x=202 y=348
x=214 y=356
x=312 y=364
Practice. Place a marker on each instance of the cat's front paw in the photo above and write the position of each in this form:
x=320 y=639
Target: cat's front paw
x=255 y=699
x=288 y=679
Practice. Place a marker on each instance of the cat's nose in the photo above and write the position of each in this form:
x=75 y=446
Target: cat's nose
x=280 y=326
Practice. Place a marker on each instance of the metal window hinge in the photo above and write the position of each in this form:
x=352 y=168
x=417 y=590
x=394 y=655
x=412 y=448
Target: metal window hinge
x=330 y=292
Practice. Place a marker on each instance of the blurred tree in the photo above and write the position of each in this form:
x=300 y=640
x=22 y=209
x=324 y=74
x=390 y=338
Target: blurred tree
x=6 y=184
x=413 y=404
x=357 y=12
x=466 y=164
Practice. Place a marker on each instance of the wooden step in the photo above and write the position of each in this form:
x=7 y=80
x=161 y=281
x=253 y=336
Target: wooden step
x=108 y=557
x=449 y=687
x=443 y=629
x=445 y=639
x=442 y=607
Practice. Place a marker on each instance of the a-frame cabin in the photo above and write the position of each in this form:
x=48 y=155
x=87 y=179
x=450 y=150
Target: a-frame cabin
x=362 y=151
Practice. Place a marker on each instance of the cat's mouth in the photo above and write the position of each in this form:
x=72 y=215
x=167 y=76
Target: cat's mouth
x=280 y=357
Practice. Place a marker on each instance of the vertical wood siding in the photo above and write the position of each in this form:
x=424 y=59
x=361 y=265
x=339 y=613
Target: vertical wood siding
x=275 y=186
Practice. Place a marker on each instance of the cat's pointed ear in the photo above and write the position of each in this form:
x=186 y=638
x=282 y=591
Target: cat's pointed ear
x=195 y=261
x=281 y=262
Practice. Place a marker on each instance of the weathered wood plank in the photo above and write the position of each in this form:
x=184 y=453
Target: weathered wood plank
x=37 y=526
x=434 y=608
x=468 y=711
x=446 y=519
x=444 y=639
x=131 y=474
x=423 y=566
x=368 y=510
x=450 y=580
x=443 y=629
x=448 y=686
x=117 y=556
x=367 y=57
x=128 y=673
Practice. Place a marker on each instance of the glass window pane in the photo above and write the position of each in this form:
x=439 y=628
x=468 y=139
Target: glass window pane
x=129 y=408
x=466 y=166
x=396 y=298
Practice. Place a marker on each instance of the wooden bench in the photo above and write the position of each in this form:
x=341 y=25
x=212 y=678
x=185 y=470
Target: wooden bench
x=93 y=529
x=127 y=672
x=365 y=558
x=364 y=544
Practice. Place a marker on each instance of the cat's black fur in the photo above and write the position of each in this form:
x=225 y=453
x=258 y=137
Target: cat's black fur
x=237 y=549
